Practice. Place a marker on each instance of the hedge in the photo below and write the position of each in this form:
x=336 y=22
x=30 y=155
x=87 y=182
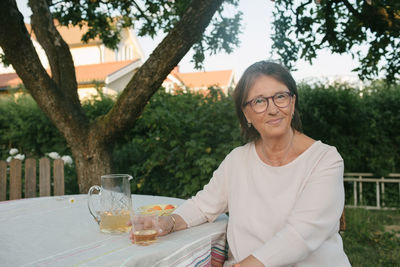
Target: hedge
x=180 y=139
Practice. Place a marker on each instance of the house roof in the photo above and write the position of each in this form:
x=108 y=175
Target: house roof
x=9 y=80
x=205 y=79
x=84 y=73
x=72 y=35
x=99 y=72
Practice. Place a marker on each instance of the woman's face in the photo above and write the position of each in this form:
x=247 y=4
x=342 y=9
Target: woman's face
x=274 y=121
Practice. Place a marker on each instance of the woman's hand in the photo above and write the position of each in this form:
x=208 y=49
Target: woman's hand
x=166 y=224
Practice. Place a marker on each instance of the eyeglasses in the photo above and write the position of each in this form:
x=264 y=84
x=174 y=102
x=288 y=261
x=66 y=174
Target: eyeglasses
x=260 y=104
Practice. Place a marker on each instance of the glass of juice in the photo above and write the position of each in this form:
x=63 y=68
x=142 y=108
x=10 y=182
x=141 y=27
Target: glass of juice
x=145 y=228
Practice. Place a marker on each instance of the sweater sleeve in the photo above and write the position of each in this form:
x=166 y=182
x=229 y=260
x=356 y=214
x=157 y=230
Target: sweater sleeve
x=314 y=218
x=208 y=203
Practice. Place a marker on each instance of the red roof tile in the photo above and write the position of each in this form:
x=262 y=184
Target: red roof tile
x=84 y=73
x=99 y=72
x=72 y=35
x=206 y=78
x=9 y=80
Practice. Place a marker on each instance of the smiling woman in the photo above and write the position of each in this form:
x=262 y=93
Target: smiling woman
x=270 y=185
x=264 y=81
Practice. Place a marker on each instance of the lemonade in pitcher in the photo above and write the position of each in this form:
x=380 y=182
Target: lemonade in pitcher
x=111 y=223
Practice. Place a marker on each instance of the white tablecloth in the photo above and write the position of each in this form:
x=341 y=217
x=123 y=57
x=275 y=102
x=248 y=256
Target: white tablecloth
x=52 y=231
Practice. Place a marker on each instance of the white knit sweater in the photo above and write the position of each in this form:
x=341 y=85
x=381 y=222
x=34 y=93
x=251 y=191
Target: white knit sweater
x=284 y=216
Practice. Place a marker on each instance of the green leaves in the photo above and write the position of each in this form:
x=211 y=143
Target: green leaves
x=180 y=139
x=361 y=124
x=25 y=126
x=106 y=19
x=301 y=28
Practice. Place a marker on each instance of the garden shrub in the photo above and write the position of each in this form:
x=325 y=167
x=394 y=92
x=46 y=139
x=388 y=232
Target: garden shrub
x=179 y=140
x=25 y=127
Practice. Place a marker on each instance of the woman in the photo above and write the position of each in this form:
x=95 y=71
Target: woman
x=283 y=190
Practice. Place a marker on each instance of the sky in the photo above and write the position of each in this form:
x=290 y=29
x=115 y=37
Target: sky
x=255 y=46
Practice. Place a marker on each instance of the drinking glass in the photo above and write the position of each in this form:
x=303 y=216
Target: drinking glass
x=145 y=228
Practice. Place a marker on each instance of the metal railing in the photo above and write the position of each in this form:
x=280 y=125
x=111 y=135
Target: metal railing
x=359 y=178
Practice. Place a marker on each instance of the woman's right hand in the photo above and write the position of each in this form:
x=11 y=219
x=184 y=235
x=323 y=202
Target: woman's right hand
x=166 y=224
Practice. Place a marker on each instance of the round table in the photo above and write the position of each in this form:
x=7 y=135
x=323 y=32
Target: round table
x=59 y=231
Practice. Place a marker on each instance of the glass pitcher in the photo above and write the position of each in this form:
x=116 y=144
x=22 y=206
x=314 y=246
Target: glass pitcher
x=115 y=203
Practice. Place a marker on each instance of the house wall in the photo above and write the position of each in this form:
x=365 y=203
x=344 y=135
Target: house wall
x=89 y=92
x=119 y=84
x=5 y=69
x=137 y=52
x=86 y=93
x=86 y=55
x=39 y=50
x=109 y=55
x=128 y=48
x=42 y=54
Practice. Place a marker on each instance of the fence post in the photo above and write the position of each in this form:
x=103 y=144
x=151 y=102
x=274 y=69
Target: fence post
x=15 y=179
x=3 y=180
x=44 y=177
x=58 y=176
x=378 y=196
x=383 y=191
x=355 y=193
x=30 y=178
x=360 y=188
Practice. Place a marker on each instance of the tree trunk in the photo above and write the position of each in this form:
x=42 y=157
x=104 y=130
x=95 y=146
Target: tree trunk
x=91 y=163
x=91 y=142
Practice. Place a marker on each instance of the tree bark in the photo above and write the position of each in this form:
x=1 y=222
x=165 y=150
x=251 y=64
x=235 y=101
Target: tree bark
x=92 y=161
x=91 y=143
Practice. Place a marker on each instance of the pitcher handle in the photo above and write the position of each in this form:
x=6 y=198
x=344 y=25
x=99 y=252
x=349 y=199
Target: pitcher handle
x=92 y=211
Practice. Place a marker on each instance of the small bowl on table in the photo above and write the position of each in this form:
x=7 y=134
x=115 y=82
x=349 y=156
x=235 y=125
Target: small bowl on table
x=160 y=209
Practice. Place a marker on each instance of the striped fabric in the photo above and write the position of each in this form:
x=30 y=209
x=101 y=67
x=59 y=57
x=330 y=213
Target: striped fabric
x=199 y=254
x=219 y=250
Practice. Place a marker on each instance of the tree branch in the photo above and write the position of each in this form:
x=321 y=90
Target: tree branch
x=27 y=64
x=164 y=58
x=57 y=50
x=330 y=34
x=298 y=9
x=352 y=9
x=141 y=12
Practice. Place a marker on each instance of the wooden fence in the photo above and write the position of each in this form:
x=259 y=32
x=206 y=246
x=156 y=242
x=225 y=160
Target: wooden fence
x=13 y=171
x=357 y=179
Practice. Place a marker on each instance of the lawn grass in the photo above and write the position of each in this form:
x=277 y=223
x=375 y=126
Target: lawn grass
x=365 y=240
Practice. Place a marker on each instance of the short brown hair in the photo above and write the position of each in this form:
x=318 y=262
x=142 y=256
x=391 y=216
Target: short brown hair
x=247 y=80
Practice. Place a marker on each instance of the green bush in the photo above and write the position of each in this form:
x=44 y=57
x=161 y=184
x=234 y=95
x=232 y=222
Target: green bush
x=382 y=147
x=335 y=116
x=179 y=140
x=363 y=125
x=25 y=127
